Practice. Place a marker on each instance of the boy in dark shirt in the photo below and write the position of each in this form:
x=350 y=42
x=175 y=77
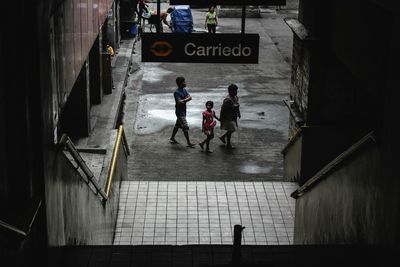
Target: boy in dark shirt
x=181 y=97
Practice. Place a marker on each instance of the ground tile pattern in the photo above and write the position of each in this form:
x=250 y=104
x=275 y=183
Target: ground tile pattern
x=188 y=213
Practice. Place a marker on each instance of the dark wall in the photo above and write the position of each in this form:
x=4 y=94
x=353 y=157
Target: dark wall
x=339 y=75
x=21 y=145
x=75 y=116
x=31 y=93
x=95 y=75
x=357 y=202
x=3 y=153
x=22 y=178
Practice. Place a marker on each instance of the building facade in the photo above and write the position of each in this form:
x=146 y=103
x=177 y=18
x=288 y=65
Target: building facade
x=54 y=67
x=343 y=141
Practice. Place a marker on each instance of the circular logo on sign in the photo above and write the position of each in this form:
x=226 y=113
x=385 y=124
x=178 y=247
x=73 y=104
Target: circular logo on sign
x=161 y=48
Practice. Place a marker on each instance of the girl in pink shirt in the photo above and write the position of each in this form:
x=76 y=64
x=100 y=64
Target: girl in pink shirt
x=208 y=125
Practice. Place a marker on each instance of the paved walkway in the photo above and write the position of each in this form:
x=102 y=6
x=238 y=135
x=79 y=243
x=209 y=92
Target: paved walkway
x=186 y=213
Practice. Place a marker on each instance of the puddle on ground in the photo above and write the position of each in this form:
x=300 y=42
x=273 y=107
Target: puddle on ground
x=157 y=111
x=251 y=168
x=154 y=73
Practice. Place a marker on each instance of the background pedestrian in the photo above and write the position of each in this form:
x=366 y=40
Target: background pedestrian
x=163 y=18
x=211 y=20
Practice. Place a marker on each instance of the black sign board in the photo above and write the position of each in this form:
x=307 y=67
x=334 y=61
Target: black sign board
x=200 y=47
x=229 y=2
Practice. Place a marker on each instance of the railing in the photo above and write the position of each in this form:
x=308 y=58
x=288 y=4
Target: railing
x=294 y=111
x=66 y=142
x=299 y=29
x=299 y=121
x=120 y=138
x=292 y=140
x=27 y=225
x=368 y=138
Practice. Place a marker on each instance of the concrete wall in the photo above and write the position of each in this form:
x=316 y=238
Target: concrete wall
x=75 y=214
x=292 y=160
x=359 y=202
x=349 y=206
x=300 y=79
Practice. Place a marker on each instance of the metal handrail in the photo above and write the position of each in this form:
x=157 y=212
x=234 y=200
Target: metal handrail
x=66 y=142
x=12 y=228
x=292 y=140
x=18 y=231
x=125 y=143
x=120 y=138
x=299 y=29
x=370 y=137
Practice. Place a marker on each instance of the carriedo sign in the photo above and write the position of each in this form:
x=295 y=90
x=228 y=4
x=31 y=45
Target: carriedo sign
x=229 y=2
x=200 y=48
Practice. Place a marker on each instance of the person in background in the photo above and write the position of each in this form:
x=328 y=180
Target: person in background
x=143 y=6
x=163 y=18
x=110 y=50
x=211 y=20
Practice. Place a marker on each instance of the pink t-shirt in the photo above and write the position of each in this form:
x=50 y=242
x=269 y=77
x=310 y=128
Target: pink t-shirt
x=209 y=123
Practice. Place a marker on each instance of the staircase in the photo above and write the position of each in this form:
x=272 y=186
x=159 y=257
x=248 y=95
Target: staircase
x=222 y=255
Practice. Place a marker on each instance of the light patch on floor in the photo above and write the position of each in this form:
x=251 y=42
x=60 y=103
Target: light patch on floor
x=156 y=111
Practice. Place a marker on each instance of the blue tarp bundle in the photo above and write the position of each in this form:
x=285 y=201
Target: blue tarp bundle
x=181 y=19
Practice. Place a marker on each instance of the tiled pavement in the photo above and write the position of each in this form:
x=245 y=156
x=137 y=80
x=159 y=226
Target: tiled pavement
x=185 y=213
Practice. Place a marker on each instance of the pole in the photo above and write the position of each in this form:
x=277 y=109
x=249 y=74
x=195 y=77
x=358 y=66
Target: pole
x=237 y=242
x=158 y=16
x=243 y=18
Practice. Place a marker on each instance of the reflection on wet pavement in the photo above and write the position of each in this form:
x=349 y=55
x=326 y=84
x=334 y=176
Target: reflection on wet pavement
x=155 y=74
x=251 y=168
x=157 y=111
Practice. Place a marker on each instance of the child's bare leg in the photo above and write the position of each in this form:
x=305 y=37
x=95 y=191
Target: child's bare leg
x=201 y=144
x=222 y=138
x=174 y=131
x=228 y=140
x=209 y=137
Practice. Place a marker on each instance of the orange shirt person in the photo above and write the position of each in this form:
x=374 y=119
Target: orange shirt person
x=110 y=50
